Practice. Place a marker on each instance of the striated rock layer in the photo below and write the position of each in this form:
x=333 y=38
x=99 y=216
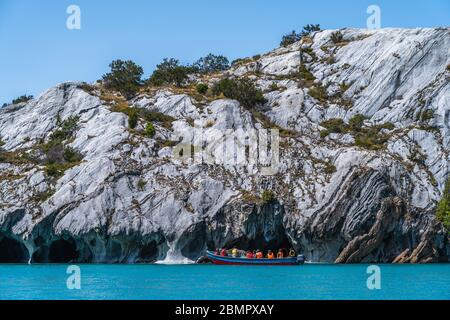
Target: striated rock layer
x=130 y=200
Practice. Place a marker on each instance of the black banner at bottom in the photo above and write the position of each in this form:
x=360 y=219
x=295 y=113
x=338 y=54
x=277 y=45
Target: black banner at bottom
x=227 y=309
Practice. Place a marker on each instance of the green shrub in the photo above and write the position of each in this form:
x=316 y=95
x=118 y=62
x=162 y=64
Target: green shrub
x=240 y=61
x=309 y=51
x=335 y=125
x=141 y=184
x=44 y=195
x=242 y=90
x=293 y=37
x=133 y=118
x=426 y=115
x=387 y=126
x=124 y=77
x=202 y=88
x=154 y=116
x=318 y=92
x=330 y=168
x=324 y=133
x=54 y=170
x=170 y=72
x=305 y=75
x=290 y=38
x=274 y=87
x=86 y=87
x=211 y=63
x=268 y=196
x=337 y=37
x=331 y=59
x=356 y=122
x=310 y=28
x=23 y=98
x=443 y=208
x=344 y=86
x=71 y=155
x=150 y=130
x=65 y=129
x=371 y=139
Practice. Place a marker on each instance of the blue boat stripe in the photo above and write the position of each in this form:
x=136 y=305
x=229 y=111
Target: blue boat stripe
x=251 y=261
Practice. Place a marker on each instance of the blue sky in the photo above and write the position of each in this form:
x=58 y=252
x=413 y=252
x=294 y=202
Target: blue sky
x=38 y=51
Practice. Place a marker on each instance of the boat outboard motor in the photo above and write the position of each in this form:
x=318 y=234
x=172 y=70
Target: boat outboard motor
x=300 y=259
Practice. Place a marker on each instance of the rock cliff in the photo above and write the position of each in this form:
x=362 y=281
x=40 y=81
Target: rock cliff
x=347 y=195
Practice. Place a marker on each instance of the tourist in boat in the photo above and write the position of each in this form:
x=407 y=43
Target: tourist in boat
x=249 y=254
x=234 y=252
x=280 y=254
x=259 y=254
x=223 y=253
x=292 y=253
x=270 y=255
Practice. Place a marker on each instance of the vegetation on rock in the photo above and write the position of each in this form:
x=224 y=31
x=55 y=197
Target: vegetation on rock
x=150 y=130
x=58 y=157
x=170 y=72
x=124 y=77
x=336 y=37
x=23 y=98
x=202 y=88
x=290 y=38
x=211 y=63
x=242 y=90
x=370 y=138
x=132 y=118
x=293 y=37
x=443 y=208
x=268 y=196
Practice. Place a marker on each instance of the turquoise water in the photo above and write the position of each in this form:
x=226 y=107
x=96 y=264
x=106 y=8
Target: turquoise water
x=225 y=282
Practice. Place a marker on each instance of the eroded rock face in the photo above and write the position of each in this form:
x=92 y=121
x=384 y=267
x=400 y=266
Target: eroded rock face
x=130 y=200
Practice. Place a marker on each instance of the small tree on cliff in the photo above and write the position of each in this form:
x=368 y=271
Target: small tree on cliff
x=170 y=72
x=125 y=77
x=290 y=38
x=443 y=208
x=211 y=63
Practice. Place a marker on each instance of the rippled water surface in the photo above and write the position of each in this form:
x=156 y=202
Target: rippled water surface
x=225 y=282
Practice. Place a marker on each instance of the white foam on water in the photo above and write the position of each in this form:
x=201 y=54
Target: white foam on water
x=174 y=257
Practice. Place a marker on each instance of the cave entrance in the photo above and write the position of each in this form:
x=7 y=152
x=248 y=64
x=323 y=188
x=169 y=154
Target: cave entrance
x=13 y=251
x=63 y=251
x=260 y=242
x=149 y=252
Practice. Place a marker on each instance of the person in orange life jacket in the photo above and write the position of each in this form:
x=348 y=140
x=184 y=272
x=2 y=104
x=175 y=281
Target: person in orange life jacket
x=292 y=253
x=270 y=255
x=280 y=254
x=223 y=253
x=259 y=254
